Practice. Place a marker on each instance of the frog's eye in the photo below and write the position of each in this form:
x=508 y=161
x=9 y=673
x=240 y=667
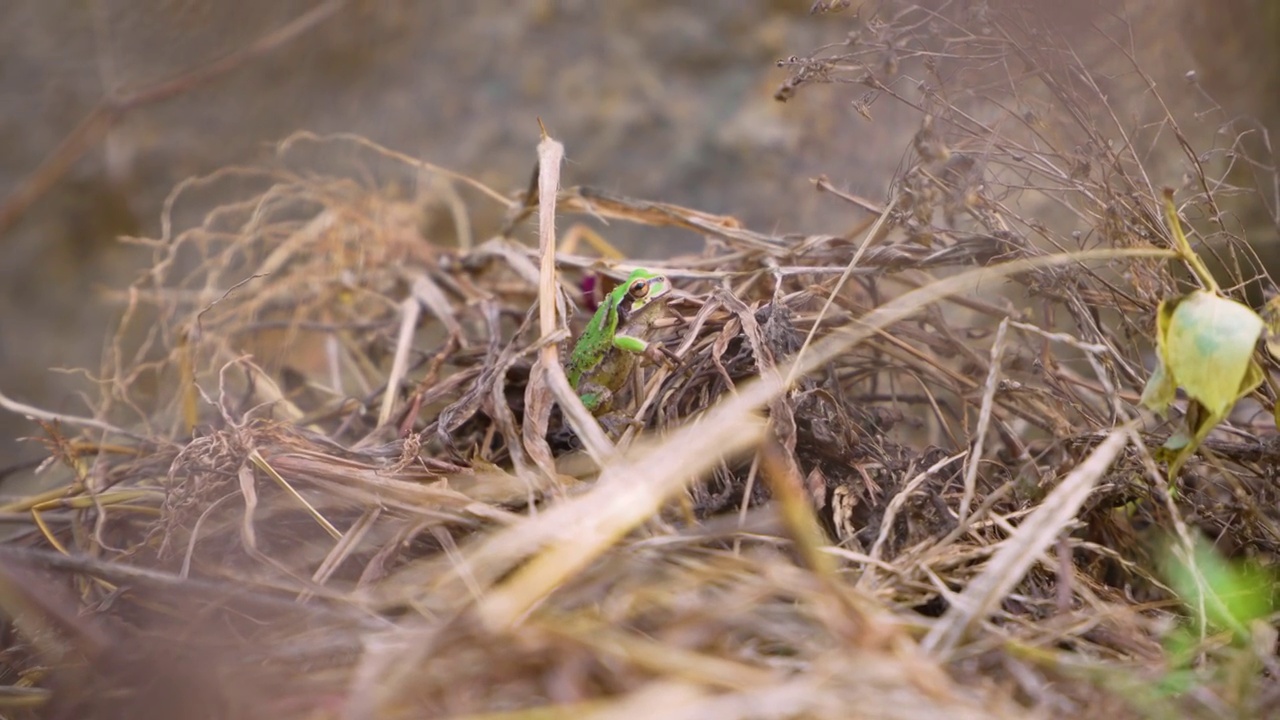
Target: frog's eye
x=639 y=288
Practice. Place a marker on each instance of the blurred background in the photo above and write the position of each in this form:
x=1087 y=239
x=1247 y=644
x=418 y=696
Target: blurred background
x=110 y=103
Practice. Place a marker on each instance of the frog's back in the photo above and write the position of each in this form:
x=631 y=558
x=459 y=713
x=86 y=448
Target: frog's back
x=591 y=347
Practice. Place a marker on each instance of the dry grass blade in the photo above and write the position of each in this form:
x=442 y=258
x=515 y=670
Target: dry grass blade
x=265 y=466
x=550 y=155
x=410 y=309
x=630 y=492
x=984 y=422
x=1025 y=546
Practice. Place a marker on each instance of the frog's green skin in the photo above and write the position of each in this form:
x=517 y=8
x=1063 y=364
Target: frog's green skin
x=603 y=357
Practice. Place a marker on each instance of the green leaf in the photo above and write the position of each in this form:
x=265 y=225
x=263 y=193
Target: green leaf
x=1228 y=596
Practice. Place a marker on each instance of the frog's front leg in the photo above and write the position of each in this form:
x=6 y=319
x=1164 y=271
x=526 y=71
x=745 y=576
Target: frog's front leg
x=656 y=353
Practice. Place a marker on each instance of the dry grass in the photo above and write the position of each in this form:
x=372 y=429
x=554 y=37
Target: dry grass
x=898 y=473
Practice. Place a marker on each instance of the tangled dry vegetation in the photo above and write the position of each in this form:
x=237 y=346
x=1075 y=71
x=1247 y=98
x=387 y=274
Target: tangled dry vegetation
x=898 y=472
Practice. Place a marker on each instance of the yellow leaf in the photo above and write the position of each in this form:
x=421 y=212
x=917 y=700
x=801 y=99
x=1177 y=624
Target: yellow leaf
x=1208 y=349
x=1160 y=389
x=1205 y=345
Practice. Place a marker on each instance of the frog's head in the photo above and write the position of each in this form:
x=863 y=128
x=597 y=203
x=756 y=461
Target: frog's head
x=645 y=292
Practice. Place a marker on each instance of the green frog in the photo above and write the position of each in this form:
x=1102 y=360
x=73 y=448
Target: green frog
x=605 y=354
